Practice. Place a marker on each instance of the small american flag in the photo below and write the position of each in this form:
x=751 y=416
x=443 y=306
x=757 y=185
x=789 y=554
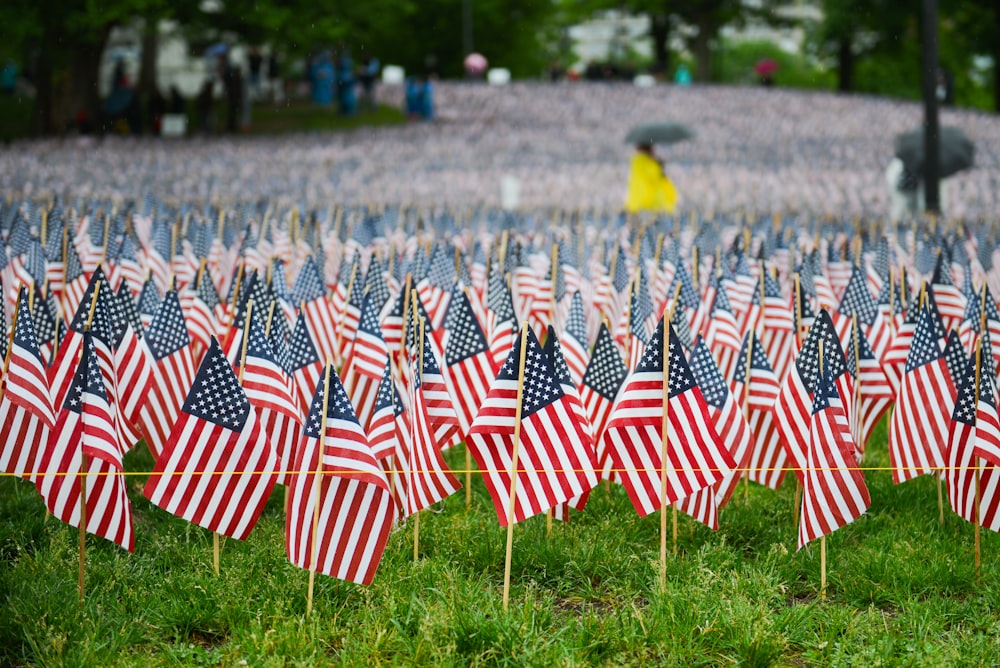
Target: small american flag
x=270 y=390
x=173 y=372
x=554 y=464
x=85 y=430
x=602 y=380
x=306 y=366
x=875 y=393
x=793 y=407
x=351 y=497
x=365 y=360
x=769 y=457
x=216 y=469
x=26 y=411
x=834 y=493
x=309 y=292
x=918 y=431
x=469 y=369
x=574 y=339
x=696 y=454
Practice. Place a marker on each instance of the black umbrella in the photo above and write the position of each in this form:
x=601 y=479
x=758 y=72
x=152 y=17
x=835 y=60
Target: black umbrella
x=956 y=151
x=658 y=133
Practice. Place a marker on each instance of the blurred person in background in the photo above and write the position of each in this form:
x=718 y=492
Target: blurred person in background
x=367 y=76
x=649 y=188
x=906 y=193
x=347 y=97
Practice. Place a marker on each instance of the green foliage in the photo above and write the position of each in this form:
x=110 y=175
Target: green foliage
x=901 y=589
x=734 y=63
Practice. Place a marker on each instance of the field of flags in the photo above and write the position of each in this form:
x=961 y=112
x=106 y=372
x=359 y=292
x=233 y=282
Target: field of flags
x=341 y=351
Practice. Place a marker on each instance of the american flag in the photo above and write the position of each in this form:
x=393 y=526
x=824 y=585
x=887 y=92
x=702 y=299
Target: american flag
x=894 y=360
x=955 y=357
x=148 y=302
x=834 y=493
x=216 y=469
x=554 y=352
x=574 y=339
x=949 y=299
x=468 y=367
x=85 y=434
x=309 y=293
x=427 y=478
x=768 y=458
x=722 y=335
x=389 y=418
x=26 y=411
x=349 y=316
x=132 y=369
x=974 y=435
x=502 y=323
x=435 y=288
x=127 y=263
x=554 y=464
x=199 y=304
x=376 y=286
x=696 y=454
x=172 y=375
x=918 y=431
x=733 y=429
x=857 y=301
x=443 y=419
x=46 y=316
x=602 y=380
x=338 y=488
x=793 y=407
x=363 y=368
x=306 y=366
x=270 y=390
x=774 y=323
x=873 y=391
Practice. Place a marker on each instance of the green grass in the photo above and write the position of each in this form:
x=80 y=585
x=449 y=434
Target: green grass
x=299 y=117
x=15 y=117
x=901 y=590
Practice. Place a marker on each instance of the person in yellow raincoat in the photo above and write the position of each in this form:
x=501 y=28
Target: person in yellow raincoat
x=649 y=189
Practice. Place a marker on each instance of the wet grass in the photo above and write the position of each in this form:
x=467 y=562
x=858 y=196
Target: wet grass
x=902 y=589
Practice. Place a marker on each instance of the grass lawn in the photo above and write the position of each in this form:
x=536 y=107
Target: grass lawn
x=16 y=118
x=902 y=589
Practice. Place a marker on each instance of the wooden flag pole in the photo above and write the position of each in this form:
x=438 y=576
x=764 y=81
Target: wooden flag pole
x=746 y=406
x=512 y=506
x=664 y=427
x=822 y=539
x=798 y=347
x=83 y=464
x=413 y=438
x=316 y=490
x=694 y=268
x=979 y=361
x=857 y=386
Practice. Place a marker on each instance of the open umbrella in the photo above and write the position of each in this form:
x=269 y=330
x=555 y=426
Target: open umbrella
x=658 y=133
x=956 y=151
x=766 y=66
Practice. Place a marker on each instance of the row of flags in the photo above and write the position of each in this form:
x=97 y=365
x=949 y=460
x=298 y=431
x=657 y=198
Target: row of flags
x=672 y=371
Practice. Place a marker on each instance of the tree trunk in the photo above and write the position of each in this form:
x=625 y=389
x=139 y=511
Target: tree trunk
x=44 y=94
x=83 y=91
x=660 y=32
x=702 y=50
x=147 y=65
x=845 y=66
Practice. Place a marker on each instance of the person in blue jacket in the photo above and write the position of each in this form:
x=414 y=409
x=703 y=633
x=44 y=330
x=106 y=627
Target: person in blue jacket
x=347 y=97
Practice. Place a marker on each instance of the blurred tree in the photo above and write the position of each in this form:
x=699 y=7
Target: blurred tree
x=856 y=29
x=977 y=22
